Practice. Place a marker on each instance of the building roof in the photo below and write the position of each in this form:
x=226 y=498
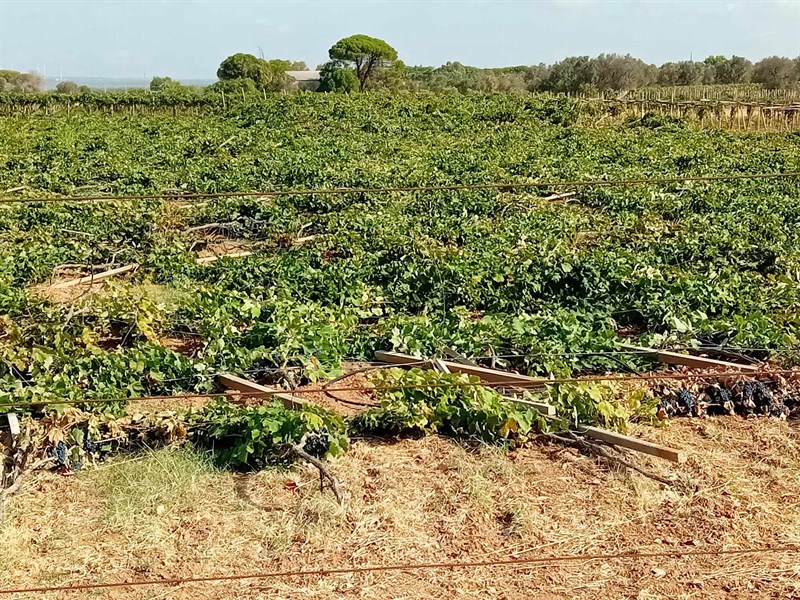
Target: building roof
x=304 y=75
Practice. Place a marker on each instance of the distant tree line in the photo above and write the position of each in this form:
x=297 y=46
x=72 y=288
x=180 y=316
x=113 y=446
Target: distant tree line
x=607 y=72
x=363 y=63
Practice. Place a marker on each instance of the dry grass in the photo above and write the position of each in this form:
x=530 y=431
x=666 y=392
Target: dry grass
x=426 y=500
x=141 y=495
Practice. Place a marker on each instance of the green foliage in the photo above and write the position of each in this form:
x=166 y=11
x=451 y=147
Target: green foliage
x=481 y=271
x=67 y=87
x=656 y=121
x=600 y=403
x=453 y=405
x=14 y=81
x=776 y=72
x=257 y=436
x=234 y=87
x=367 y=54
x=269 y=75
x=165 y=84
x=335 y=77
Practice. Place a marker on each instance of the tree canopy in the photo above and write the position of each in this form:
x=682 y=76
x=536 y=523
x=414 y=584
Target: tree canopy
x=164 y=84
x=67 y=87
x=14 y=81
x=267 y=75
x=336 y=77
x=365 y=53
x=776 y=72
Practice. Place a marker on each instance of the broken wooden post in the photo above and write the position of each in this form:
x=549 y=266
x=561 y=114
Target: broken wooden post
x=245 y=386
x=13 y=424
x=459 y=358
x=687 y=360
x=210 y=259
x=95 y=277
x=626 y=441
x=439 y=365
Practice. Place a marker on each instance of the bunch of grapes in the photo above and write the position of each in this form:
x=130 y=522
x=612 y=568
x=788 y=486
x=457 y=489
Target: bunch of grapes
x=60 y=454
x=317 y=442
x=686 y=400
x=720 y=400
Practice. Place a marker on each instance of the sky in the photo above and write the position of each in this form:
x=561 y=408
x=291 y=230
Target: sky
x=187 y=39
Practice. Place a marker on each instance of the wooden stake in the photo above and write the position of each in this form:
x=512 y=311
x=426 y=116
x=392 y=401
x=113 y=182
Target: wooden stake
x=96 y=277
x=543 y=408
x=686 y=360
x=439 y=365
x=636 y=444
x=13 y=424
x=490 y=375
x=232 y=382
x=210 y=259
x=459 y=358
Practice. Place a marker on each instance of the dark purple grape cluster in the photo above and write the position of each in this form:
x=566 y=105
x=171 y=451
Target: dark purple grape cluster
x=89 y=446
x=682 y=403
x=60 y=453
x=317 y=443
x=720 y=401
x=755 y=397
x=687 y=401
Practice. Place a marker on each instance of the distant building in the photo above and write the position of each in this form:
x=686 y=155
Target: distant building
x=305 y=80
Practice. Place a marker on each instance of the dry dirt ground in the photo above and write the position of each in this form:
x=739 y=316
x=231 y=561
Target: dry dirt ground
x=170 y=514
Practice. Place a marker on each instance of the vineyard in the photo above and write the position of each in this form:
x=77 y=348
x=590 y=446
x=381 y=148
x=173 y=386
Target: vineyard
x=731 y=107
x=111 y=308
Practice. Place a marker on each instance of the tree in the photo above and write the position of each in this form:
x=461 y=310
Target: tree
x=735 y=69
x=299 y=65
x=686 y=72
x=267 y=75
x=616 y=72
x=393 y=78
x=775 y=72
x=715 y=60
x=336 y=77
x=67 y=87
x=535 y=77
x=240 y=87
x=569 y=75
x=164 y=84
x=14 y=81
x=365 y=53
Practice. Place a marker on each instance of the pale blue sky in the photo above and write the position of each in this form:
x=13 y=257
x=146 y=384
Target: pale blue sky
x=188 y=38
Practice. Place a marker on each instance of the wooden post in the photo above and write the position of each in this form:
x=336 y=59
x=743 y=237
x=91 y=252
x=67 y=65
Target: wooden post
x=490 y=375
x=632 y=443
x=95 y=277
x=239 y=384
x=686 y=360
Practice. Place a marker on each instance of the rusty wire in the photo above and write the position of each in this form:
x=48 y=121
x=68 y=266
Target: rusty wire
x=400 y=567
